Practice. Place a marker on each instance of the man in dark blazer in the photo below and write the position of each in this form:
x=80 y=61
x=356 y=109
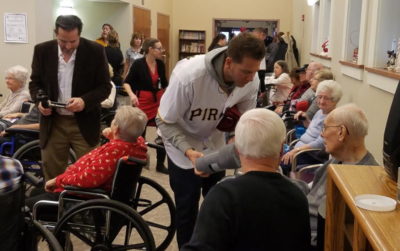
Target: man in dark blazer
x=71 y=70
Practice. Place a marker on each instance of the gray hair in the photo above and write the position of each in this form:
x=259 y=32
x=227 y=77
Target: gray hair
x=332 y=87
x=353 y=118
x=260 y=133
x=131 y=122
x=20 y=74
x=323 y=74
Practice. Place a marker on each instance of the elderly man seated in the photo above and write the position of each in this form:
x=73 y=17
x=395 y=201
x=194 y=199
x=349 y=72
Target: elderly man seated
x=260 y=210
x=96 y=168
x=344 y=131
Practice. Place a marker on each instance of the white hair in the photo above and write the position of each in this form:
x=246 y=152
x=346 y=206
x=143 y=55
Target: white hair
x=19 y=73
x=332 y=87
x=131 y=122
x=259 y=133
x=353 y=118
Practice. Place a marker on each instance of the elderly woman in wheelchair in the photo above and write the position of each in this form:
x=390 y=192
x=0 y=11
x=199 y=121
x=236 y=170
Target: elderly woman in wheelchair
x=96 y=168
x=328 y=93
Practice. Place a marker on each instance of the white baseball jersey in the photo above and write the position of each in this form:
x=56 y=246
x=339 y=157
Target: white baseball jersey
x=195 y=102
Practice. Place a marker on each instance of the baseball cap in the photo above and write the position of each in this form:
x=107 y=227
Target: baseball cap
x=302 y=69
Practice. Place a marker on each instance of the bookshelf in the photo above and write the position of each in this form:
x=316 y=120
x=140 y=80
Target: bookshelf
x=191 y=42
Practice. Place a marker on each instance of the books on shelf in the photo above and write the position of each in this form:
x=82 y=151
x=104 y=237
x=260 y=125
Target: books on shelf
x=193 y=47
x=195 y=35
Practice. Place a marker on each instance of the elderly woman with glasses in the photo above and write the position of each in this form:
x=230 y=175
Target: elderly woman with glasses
x=329 y=93
x=16 y=78
x=145 y=84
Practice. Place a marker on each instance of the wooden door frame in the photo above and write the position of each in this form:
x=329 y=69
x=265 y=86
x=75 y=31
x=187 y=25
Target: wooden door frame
x=214 y=31
x=169 y=37
x=143 y=8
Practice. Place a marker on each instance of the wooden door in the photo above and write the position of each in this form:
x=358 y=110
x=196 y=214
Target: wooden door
x=141 y=21
x=163 y=36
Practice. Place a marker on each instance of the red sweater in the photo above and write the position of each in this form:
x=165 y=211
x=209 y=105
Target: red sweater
x=96 y=168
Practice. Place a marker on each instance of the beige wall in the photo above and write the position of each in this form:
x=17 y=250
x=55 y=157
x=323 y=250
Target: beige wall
x=199 y=15
x=12 y=53
x=375 y=102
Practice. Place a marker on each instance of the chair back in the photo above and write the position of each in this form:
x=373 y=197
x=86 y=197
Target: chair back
x=26 y=107
x=125 y=178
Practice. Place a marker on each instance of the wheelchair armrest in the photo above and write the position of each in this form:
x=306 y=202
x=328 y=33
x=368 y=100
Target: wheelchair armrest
x=80 y=189
x=294 y=162
x=155 y=146
x=28 y=176
x=289 y=136
x=310 y=167
x=137 y=161
x=28 y=132
x=43 y=203
x=291 y=144
x=306 y=173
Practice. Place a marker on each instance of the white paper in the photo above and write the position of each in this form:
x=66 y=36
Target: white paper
x=15 y=28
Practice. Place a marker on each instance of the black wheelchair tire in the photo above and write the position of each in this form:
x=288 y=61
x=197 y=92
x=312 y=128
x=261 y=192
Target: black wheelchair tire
x=138 y=205
x=36 y=228
x=115 y=207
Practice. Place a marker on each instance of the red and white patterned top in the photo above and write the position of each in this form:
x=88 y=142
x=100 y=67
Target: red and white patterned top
x=96 y=168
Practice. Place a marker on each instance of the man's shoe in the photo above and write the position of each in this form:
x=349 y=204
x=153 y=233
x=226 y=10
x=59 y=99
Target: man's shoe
x=162 y=169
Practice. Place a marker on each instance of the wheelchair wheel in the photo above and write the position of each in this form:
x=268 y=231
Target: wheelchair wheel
x=103 y=224
x=160 y=208
x=37 y=237
x=30 y=157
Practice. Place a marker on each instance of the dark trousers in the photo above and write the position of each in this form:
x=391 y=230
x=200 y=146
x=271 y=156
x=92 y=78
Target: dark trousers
x=320 y=233
x=11 y=220
x=187 y=187
x=161 y=153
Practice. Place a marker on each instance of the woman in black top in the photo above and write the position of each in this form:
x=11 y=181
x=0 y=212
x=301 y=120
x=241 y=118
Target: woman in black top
x=145 y=84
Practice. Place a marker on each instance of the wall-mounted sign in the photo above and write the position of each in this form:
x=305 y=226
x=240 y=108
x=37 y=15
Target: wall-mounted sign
x=15 y=28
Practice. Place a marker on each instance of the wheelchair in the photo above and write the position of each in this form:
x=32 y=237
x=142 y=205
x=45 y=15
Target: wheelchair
x=24 y=146
x=20 y=230
x=125 y=218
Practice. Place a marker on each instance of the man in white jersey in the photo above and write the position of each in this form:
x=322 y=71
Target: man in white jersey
x=200 y=91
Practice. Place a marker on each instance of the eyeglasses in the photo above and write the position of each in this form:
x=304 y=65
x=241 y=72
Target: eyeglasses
x=325 y=98
x=159 y=48
x=324 y=127
x=327 y=126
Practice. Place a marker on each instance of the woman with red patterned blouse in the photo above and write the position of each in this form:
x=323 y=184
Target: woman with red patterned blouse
x=96 y=168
